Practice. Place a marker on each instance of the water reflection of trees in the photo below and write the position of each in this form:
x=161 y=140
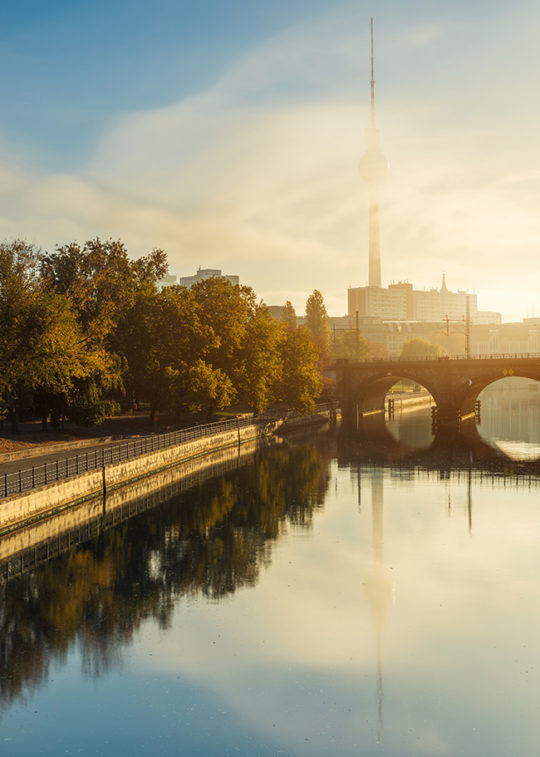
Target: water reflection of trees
x=210 y=542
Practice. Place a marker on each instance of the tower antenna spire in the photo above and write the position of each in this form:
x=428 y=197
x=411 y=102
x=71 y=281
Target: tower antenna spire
x=372 y=80
x=373 y=168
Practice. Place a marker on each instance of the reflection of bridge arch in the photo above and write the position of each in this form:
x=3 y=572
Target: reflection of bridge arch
x=450 y=449
x=454 y=383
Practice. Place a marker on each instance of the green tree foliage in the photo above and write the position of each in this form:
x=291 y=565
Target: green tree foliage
x=421 y=348
x=289 y=315
x=200 y=387
x=42 y=344
x=225 y=309
x=317 y=322
x=106 y=290
x=86 y=326
x=100 y=280
x=260 y=362
x=300 y=384
x=350 y=344
x=163 y=335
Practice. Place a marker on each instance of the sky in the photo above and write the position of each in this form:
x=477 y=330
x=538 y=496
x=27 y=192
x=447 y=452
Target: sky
x=229 y=133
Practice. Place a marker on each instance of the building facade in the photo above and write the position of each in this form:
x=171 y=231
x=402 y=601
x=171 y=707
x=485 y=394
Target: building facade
x=400 y=302
x=207 y=273
x=486 y=339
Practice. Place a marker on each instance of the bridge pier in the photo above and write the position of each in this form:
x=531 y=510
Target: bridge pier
x=454 y=383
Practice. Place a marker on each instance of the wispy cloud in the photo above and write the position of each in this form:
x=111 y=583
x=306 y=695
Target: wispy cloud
x=257 y=175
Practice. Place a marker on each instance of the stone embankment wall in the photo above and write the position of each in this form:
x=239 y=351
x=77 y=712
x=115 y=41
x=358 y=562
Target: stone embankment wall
x=121 y=502
x=35 y=503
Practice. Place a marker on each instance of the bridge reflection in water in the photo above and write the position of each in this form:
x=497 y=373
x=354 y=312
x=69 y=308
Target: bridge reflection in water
x=415 y=448
x=444 y=450
x=217 y=538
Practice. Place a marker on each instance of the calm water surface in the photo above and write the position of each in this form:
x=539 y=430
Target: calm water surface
x=330 y=596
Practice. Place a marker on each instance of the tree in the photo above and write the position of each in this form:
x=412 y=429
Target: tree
x=166 y=334
x=225 y=308
x=420 y=348
x=200 y=387
x=107 y=292
x=377 y=350
x=41 y=342
x=289 y=315
x=260 y=364
x=300 y=384
x=317 y=322
x=350 y=344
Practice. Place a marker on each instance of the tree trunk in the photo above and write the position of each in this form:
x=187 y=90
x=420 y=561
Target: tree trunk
x=14 y=419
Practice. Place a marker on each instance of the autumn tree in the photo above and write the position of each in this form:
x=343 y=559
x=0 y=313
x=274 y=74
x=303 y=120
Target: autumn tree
x=104 y=287
x=419 y=348
x=177 y=334
x=260 y=363
x=289 y=315
x=41 y=342
x=317 y=322
x=199 y=387
x=350 y=344
x=226 y=309
x=300 y=384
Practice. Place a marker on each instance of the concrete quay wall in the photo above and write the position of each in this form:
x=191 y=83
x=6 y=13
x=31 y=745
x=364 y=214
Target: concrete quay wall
x=35 y=503
x=299 y=421
x=127 y=499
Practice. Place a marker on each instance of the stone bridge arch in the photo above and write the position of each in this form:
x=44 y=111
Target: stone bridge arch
x=481 y=382
x=454 y=383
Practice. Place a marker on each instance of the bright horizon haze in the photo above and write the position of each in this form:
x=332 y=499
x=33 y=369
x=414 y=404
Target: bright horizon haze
x=229 y=134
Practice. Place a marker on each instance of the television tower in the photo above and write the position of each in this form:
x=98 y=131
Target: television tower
x=373 y=167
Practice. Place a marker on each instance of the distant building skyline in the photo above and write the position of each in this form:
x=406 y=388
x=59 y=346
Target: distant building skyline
x=207 y=273
x=401 y=302
x=202 y=274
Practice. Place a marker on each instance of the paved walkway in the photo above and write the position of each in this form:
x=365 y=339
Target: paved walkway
x=47 y=447
x=51 y=452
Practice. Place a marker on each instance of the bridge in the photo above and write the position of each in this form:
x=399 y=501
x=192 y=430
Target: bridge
x=453 y=382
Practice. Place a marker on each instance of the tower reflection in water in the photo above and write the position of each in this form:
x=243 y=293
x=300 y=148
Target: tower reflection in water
x=379 y=585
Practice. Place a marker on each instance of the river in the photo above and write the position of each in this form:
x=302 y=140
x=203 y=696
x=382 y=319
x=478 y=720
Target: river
x=331 y=594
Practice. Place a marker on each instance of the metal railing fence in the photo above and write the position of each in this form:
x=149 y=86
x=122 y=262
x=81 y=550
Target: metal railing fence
x=431 y=358
x=66 y=467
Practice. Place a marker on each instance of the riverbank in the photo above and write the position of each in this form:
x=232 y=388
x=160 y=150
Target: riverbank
x=43 y=490
x=32 y=441
x=408 y=401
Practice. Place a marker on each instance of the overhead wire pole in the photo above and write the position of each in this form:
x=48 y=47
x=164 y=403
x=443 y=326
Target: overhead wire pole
x=467 y=319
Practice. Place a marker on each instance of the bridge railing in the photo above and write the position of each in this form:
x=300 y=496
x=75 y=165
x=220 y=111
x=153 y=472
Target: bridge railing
x=66 y=467
x=496 y=356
